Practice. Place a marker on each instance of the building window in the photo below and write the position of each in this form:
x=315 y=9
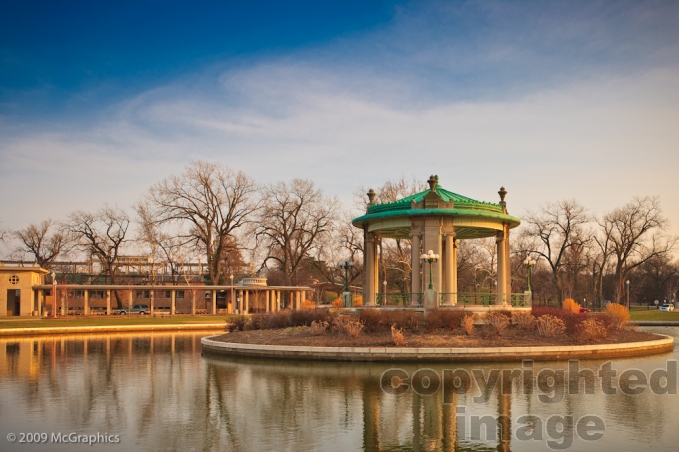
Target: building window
x=98 y=294
x=14 y=279
x=180 y=294
x=143 y=294
x=78 y=294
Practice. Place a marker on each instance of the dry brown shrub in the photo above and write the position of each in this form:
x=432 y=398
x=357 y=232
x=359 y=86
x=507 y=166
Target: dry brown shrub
x=318 y=328
x=571 y=306
x=467 y=323
x=497 y=322
x=619 y=315
x=550 y=326
x=372 y=319
x=308 y=304
x=524 y=320
x=239 y=322
x=397 y=336
x=347 y=325
x=591 y=330
x=279 y=319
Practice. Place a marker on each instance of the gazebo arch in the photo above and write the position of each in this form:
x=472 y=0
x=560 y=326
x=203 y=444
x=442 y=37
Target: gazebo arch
x=436 y=219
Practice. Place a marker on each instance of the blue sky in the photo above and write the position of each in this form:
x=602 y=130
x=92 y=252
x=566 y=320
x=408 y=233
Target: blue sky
x=553 y=100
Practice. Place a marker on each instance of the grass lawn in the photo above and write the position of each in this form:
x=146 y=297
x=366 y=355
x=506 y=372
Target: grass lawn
x=654 y=314
x=6 y=323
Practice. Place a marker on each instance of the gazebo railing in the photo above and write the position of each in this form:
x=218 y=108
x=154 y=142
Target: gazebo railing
x=399 y=298
x=480 y=299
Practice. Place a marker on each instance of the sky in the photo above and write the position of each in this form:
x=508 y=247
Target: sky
x=552 y=100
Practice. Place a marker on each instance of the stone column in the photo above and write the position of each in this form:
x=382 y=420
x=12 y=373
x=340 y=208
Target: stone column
x=453 y=272
x=130 y=300
x=173 y=301
x=508 y=267
x=108 y=302
x=449 y=269
x=213 y=307
x=370 y=269
x=415 y=280
x=153 y=301
x=501 y=268
x=246 y=302
x=86 y=302
x=278 y=300
x=268 y=300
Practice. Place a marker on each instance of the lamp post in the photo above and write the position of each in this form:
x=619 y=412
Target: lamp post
x=233 y=302
x=54 y=295
x=431 y=258
x=627 y=284
x=346 y=264
x=528 y=263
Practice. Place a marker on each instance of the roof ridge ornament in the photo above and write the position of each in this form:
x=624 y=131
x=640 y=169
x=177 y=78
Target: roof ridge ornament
x=433 y=182
x=502 y=194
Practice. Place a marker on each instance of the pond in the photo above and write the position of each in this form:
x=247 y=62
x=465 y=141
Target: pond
x=156 y=392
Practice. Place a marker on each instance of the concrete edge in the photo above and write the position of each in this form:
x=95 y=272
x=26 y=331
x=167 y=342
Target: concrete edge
x=108 y=329
x=546 y=353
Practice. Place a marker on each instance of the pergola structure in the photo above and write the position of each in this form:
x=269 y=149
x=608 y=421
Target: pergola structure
x=436 y=219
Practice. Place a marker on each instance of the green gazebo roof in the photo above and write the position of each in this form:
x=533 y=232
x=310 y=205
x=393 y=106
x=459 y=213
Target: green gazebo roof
x=462 y=206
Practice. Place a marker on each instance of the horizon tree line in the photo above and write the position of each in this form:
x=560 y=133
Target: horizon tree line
x=295 y=235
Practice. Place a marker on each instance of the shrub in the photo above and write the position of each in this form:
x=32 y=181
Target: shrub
x=257 y=322
x=570 y=320
x=239 y=322
x=497 y=322
x=444 y=318
x=570 y=306
x=280 y=319
x=619 y=315
x=304 y=317
x=402 y=319
x=357 y=301
x=347 y=325
x=591 y=330
x=337 y=303
x=550 y=326
x=467 y=324
x=372 y=319
x=308 y=304
x=318 y=328
x=524 y=320
x=397 y=336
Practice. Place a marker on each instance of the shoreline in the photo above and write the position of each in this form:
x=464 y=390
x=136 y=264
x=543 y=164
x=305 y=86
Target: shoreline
x=9 y=332
x=458 y=354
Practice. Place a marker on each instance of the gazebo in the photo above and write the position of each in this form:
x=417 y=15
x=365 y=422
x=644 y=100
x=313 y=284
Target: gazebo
x=435 y=220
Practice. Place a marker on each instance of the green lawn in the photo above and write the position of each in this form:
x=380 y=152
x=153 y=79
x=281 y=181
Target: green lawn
x=654 y=315
x=6 y=323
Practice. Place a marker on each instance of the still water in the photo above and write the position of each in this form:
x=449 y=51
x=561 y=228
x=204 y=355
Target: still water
x=156 y=392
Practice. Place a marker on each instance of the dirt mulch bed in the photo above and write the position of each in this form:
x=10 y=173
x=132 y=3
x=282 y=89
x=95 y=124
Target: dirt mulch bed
x=299 y=336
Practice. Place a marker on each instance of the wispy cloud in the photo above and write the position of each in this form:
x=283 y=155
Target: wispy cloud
x=547 y=103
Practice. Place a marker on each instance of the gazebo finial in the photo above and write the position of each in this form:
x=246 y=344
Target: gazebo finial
x=433 y=181
x=371 y=196
x=502 y=194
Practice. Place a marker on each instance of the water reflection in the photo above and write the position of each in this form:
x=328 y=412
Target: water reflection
x=158 y=393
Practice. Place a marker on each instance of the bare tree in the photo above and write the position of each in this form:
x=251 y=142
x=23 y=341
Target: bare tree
x=44 y=242
x=207 y=204
x=102 y=235
x=295 y=216
x=557 y=228
x=636 y=235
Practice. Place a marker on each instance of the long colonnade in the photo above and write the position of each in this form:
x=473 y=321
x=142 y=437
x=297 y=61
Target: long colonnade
x=241 y=300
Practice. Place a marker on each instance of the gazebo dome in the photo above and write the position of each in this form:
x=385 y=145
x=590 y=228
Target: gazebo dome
x=473 y=219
